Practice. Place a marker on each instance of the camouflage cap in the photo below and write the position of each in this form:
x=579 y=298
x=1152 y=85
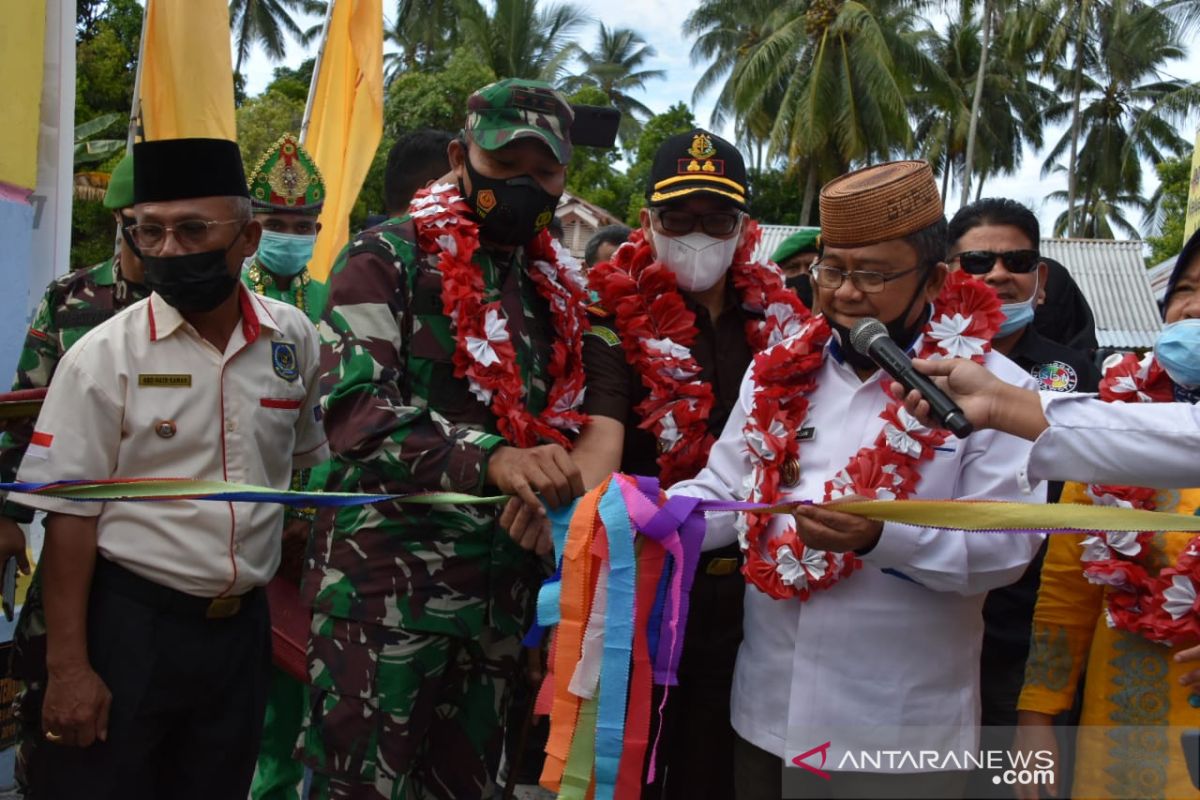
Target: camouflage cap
x=120 y=185
x=513 y=108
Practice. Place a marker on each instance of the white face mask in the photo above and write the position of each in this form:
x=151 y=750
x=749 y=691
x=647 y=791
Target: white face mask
x=697 y=259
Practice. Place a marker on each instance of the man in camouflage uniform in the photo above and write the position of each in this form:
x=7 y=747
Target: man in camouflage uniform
x=286 y=193
x=72 y=306
x=419 y=610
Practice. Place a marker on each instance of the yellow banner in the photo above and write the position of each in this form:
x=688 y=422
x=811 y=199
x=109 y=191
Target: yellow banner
x=187 y=71
x=22 y=44
x=1193 y=204
x=346 y=123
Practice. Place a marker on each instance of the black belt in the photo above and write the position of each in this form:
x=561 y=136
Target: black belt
x=116 y=578
x=722 y=561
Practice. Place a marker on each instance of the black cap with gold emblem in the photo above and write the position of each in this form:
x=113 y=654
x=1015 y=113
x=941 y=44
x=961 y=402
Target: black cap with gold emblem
x=697 y=161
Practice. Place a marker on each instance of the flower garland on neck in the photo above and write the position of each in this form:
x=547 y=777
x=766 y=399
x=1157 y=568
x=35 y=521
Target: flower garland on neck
x=658 y=330
x=484 y=353
x=965 y=317
x=1162 y=607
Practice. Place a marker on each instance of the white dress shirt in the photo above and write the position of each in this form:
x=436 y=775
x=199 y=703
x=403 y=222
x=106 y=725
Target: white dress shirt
x=145 y=396
x=883 y=659
x=1092 y=441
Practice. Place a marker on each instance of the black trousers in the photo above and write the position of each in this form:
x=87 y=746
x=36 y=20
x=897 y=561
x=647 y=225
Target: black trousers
x=695 y=755
x=188 y=700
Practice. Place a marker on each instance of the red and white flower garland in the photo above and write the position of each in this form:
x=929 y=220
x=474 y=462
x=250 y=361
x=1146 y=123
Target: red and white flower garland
x=484 y=353
x=1162 y=607
x=658 y=330
x=966 y=316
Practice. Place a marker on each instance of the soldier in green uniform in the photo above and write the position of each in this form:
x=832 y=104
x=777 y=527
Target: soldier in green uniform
x=451 y=349
x=287 y=193
x=71 y=306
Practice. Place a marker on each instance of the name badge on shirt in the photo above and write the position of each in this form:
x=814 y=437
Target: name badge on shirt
x=165 y=380
x=806 y=434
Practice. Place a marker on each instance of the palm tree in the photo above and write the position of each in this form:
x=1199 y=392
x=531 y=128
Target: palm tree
x=266 y=22
x=425 y=33
x=1100 y=215
x=1125 y=110
x=725 y=32
x=519 y=40
x=848 y=70
x=1008 y=121
x=616 y=67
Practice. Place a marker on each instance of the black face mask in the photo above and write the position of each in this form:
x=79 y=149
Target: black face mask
x=903 y=335
x=511 y=211
x=802 y=286
x=191 y=282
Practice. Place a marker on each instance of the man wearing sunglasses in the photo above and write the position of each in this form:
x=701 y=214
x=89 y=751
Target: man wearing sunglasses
x=71 y=306
x=996 y=239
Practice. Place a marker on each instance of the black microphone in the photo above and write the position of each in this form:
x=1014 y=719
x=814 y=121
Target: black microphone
x=869 y=336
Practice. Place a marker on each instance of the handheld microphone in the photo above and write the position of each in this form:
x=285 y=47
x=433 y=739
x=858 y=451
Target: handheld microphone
x=869 y=336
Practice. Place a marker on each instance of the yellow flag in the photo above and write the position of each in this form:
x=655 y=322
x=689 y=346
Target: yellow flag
x=1192 y=221
x=22 y=38
x=346 y=122
x=187 y=71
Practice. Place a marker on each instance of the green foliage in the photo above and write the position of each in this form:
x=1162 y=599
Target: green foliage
x=438 y=99
x=106 y=62
x=677 y=119
x=92 y=233
x=262 y=120
x=107 y=35
x=775 y=196
x=293 y=83
x=1175 y=176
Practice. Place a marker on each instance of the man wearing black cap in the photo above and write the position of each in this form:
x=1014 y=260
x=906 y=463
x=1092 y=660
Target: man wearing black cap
x=683 y=309
x=157 y=650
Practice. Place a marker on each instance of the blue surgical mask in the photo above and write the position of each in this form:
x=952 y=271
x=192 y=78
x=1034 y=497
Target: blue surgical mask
x=1017 y=315
x=1178 y=351
x=285 y=254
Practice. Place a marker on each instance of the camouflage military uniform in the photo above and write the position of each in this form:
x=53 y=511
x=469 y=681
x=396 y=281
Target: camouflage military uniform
x=418 y=610
x=72 y=306
x=303 y=292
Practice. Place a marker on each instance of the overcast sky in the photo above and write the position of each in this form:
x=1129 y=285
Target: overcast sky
x=660 y=22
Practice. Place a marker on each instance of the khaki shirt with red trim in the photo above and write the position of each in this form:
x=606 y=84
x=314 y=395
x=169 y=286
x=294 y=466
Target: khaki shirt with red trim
x=145 y=396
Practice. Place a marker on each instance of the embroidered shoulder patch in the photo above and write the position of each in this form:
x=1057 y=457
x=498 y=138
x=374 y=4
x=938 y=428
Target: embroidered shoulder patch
x=607 y=335
x=1055 y=376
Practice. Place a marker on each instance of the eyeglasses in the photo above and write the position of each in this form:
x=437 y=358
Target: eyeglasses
x=718 y=223
x=189 y=233
x=980 y=262
x=830 y=277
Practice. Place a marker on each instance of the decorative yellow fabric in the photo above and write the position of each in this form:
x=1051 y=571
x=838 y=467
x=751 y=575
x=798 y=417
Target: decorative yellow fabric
x=1130 y=680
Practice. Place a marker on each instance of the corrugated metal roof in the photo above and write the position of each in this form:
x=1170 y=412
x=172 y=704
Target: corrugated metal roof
x=1116 y=283
x=1160 y=275
x=773 y=236
x=1111 y=274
